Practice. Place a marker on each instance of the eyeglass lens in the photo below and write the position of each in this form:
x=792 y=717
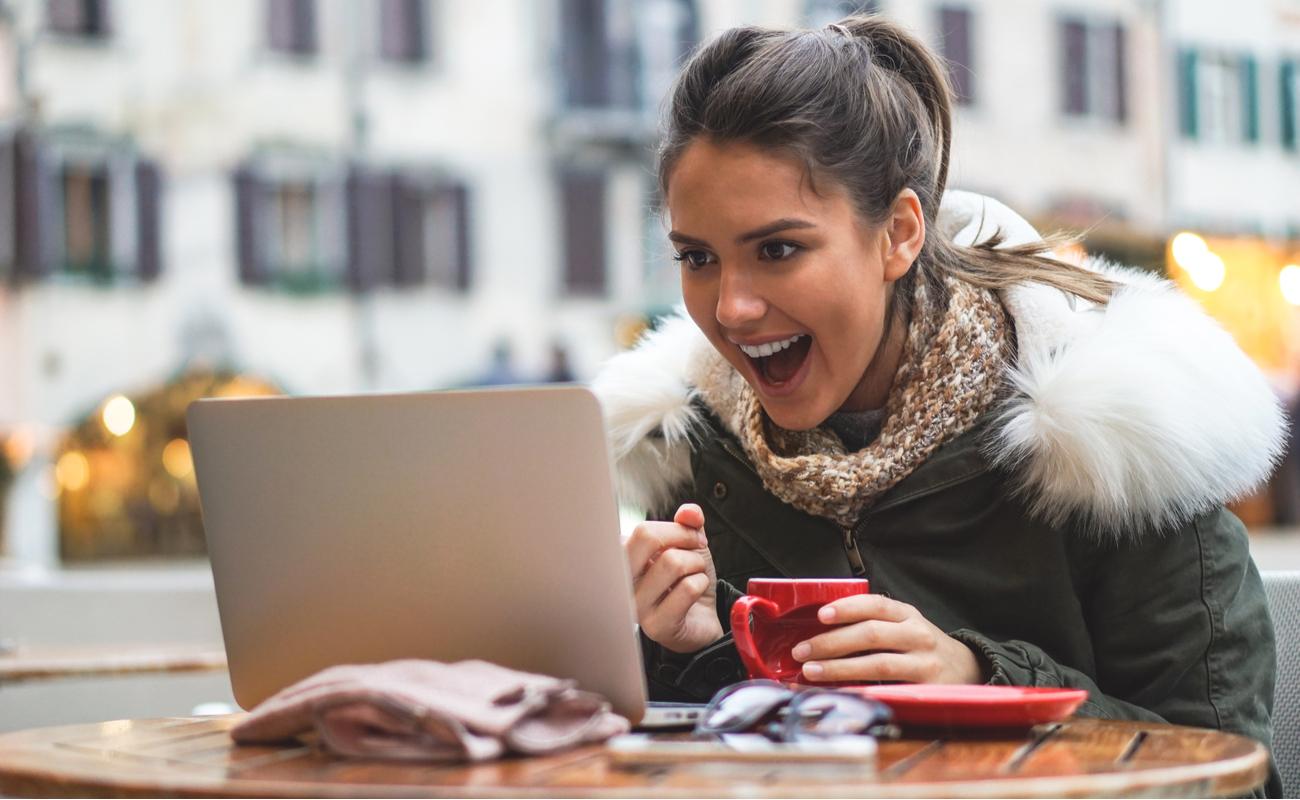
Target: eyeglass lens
x=742 y=707
x=816 y=714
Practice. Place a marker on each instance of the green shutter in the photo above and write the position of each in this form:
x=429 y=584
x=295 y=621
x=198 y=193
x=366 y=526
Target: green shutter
x=1187 y=93
x=1249 y=99
x=1287 y=80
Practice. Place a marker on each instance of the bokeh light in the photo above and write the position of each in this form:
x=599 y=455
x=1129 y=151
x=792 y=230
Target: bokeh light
x=176 y=459
x=72 y=471
x=1289 y=280
x=119 y=415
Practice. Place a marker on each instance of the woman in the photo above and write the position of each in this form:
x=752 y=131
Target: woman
x=1027 y=459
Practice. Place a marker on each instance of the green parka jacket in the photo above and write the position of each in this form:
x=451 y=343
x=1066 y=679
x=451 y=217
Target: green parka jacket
x=1076 y=536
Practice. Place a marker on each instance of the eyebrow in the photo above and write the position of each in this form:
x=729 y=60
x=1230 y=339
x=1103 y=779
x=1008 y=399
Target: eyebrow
x=779 y=225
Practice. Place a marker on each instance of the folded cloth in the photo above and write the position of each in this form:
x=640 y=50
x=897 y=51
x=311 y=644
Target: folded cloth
x=430 y=711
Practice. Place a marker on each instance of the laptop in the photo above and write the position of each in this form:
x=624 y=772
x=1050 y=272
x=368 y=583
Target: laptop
x=446 y=526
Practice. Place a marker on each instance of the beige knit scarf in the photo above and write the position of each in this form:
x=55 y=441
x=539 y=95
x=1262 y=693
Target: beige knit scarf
x=948 y=375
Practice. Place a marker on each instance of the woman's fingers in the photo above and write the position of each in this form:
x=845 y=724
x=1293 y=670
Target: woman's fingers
x=910 y=667
x=863 y=636
x=648 y=539
x=672 y=609
x=689 y=515
x=862 y=607
x=670 y=567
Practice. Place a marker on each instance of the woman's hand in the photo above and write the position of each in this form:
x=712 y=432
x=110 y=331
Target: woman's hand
x=674 y=581
x=884 y=640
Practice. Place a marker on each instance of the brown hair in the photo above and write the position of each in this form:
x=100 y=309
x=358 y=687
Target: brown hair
x=869 y=105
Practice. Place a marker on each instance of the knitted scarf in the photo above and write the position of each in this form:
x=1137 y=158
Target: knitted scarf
x=948 y=375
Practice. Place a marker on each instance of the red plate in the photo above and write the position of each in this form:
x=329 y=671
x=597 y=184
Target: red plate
x=974 y=706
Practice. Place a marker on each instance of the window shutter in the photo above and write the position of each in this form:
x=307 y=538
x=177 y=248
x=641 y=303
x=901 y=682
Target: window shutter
x=31 y=261
x=584 y=231
x=370 y=228
x=689 y=32
x=8 y=205
x=1187 y=105
x=956 y=45
x=148 y=190
x=585 y=53
x=459 y=197
x=279 y=24
x=409 y=201
x=95 y=19
x=1249 y=99
x=1287 y=81
x=304 y=14
x=1121 y=72
x=64 y=16
x=1074 y=67
x=248 y=211
x=402 y=30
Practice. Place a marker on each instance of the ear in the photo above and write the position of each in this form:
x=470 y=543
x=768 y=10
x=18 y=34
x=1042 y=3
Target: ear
x=904 y=234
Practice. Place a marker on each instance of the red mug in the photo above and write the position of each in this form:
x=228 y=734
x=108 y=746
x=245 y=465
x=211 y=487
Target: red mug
x=779 y=613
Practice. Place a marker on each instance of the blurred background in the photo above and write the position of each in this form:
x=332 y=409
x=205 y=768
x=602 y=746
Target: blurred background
x=234 y=197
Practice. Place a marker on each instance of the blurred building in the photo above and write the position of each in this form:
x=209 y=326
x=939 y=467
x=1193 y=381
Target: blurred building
x=358 y=195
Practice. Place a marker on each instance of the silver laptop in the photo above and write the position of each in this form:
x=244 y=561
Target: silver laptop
x=445 y=526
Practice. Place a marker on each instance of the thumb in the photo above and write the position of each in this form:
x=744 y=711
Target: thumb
x=690 y=516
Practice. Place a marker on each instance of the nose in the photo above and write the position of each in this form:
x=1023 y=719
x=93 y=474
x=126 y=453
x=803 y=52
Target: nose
x=739 y=305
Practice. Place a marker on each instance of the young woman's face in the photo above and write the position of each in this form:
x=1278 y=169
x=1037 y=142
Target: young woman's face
x=789 y=285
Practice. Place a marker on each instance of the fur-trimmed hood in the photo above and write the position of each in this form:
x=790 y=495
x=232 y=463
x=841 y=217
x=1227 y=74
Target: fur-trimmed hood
x=1133 y=416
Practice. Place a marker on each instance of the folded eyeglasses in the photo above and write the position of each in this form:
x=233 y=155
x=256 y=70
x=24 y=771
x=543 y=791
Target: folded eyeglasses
x=783 y=714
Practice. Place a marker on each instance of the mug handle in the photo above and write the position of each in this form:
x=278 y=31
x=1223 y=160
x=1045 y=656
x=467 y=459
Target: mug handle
x=744 y=637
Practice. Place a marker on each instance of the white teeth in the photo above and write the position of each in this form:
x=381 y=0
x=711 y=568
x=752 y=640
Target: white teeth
x=764 y=350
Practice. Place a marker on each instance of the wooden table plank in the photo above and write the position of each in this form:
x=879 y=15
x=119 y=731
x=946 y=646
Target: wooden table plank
x=48 y=662
x=194 y=757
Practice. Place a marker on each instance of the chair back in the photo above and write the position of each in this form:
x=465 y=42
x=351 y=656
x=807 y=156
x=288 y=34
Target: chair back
x=1283 y=590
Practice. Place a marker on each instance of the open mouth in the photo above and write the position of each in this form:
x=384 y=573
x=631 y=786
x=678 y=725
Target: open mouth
x=778 y=364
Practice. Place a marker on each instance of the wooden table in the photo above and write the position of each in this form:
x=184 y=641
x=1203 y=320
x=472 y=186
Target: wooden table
x=194 y=757
x=46 y=662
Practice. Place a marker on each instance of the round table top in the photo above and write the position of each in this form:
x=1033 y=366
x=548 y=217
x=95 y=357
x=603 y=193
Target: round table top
x=195 y=757
x=46 y=662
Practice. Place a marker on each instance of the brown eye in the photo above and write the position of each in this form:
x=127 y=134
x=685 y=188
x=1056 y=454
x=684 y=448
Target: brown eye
x=694 y=259
x=776 y=251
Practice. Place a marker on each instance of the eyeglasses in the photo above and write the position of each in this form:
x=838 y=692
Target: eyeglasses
x=790 y=715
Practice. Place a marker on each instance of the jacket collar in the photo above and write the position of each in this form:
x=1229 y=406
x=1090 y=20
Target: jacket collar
x=1125 y=418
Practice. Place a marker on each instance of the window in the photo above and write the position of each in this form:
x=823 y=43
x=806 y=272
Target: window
x=1218 y=96
x=583 y=206
x=86 y=221
x=1289 y=86
x=667 y=30
x=407 y=229
x=85 y=18
x=291 y=26
x=1093 y=69
x=77 y=206
x=404 y=30
x=820 y=13
x=289 y=227
x=957 y=47
x=622 y=55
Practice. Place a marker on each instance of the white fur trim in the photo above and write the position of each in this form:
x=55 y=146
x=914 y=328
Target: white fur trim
x=646 y=396
x=1140 y=415
x=1132 y=416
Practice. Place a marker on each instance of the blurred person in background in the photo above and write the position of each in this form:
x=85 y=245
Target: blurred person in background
x=874 y=378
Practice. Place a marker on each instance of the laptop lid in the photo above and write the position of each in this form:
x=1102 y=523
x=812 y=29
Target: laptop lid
x=446 y=526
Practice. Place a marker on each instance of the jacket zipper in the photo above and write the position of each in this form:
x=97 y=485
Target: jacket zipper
x=851 y=550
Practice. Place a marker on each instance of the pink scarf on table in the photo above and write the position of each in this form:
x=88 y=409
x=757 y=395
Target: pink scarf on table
x=426 y=710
